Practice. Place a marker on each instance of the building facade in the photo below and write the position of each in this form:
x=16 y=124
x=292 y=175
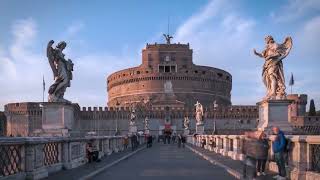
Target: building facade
x=168 y=77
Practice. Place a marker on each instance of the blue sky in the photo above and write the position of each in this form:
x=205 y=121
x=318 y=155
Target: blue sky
x=106 y=36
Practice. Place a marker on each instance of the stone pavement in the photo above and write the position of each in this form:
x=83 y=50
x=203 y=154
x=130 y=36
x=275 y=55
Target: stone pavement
x=165 y=162
x=234 y=167
x=86 y=169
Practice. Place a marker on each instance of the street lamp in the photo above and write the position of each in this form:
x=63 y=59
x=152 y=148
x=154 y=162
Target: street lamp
x=215 y=106
x=117 y=106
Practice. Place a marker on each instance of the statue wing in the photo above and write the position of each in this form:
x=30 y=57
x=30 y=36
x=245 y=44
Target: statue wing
x=285 y=47
x=50 y=55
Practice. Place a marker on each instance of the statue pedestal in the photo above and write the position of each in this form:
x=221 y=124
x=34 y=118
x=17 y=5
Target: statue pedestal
x=274 y=113
x=147 y=131
x=200 y=129
x=133 y=129
x=186 y=132
x=58 y=119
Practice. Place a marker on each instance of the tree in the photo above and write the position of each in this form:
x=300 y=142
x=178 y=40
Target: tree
x=312 y=108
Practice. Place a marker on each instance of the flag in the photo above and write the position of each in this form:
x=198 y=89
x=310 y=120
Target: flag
x=291 y=82
x=43 y=84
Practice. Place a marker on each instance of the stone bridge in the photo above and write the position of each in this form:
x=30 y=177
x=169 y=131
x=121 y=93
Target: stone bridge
x=221 y=158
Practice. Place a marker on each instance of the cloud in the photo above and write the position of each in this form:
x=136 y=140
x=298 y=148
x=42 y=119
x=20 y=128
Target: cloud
x=295 y=9
x=22 y=68
x=75 y=28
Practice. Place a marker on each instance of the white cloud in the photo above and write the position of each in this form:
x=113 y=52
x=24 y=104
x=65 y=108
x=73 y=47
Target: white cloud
x=295 y=9
x=75 y=28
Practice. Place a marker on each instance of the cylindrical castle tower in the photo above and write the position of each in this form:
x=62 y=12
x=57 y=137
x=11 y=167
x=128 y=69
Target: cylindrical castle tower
x=168 y=77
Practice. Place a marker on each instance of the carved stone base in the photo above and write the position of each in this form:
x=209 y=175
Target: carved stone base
x=58 y=119
x=186 y=132
x=200 y=129
x=133 y=129
x=274 y=113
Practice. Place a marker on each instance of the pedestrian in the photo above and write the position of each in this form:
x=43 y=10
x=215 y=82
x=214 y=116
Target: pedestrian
x=133 y=142
x=183 y=140
x=179 y=140
x=262 y=159
x=278 y=147
x=249 y=150
x=125 y=142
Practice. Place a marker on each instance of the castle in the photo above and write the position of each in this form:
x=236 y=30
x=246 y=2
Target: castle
x=164 y=87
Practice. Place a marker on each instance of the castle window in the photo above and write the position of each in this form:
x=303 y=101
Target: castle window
x=219 y=74
x=138 y=72
x=147 y=72
x=167 y=69
x=161 y=69
x=227 y=78
x=187 y=71
x=196 y=72
x=149 y=57
x=173 y=68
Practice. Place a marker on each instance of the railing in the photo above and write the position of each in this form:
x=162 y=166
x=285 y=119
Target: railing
x=303 y=160
x=36 y=157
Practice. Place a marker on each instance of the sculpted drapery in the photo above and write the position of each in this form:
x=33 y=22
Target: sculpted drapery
x=272 y=71
x=62 y=72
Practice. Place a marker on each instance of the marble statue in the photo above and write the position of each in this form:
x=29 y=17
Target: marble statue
x=272 y=72
x=199 y=113
x=168 y=38
x=186 y=123
x=62 y=72
x=146 y=123
x=133 y=117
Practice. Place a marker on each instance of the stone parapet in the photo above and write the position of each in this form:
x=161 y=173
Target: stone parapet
x=303 y=158
x=36 y=157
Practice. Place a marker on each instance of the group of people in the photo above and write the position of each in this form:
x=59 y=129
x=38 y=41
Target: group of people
x=256 y=150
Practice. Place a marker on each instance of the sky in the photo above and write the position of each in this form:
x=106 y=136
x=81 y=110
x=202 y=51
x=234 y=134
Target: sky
x=106 y=36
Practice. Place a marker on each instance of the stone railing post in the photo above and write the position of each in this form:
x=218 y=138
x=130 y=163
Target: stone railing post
x=225 y=145
x=299 y=158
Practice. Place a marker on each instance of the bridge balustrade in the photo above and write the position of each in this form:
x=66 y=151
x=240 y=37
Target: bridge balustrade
x=303 y=159
x=36 y=157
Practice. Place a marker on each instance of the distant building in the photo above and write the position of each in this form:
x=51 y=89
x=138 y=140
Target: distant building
x=3 y=123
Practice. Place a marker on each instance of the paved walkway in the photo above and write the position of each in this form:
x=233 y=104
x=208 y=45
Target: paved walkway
x=235 y=167
x=86 y=169
x=165 y=162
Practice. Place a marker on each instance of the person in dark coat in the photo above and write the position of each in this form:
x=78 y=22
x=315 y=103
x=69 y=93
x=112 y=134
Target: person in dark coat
x=262 y=160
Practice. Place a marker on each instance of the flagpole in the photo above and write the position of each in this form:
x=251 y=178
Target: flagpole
x=43 y=88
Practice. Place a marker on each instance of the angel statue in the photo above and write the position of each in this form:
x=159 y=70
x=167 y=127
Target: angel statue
x=186 y=122
x=168 y=38
x=272 y=72
x=199 y=113
x=62 y=72
x=133 y=117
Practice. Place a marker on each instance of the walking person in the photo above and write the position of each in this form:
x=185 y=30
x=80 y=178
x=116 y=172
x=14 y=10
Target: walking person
x=125 y=142
x=262 y=159
x=179 y=140
x=183 y=140
x=278 y=147
x=250 y=152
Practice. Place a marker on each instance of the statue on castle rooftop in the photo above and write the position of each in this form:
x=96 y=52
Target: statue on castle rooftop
x=186 y=123
x=133 y=117
x=272 y=72
x=62 y=72
x=168 y=38
x=199 y=113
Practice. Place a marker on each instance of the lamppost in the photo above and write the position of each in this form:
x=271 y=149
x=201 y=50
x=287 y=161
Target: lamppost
x=117 y=111
x=215 y=106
